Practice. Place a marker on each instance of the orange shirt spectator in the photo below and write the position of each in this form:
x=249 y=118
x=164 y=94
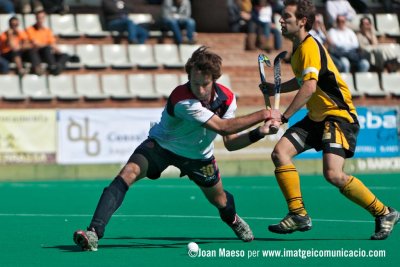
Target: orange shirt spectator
x=12 y=41
x=40 y=36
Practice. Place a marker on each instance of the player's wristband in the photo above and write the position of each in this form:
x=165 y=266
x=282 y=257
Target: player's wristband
x=284 y=119
x=255 y=135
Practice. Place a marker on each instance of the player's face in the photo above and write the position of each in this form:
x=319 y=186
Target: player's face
x=201 y=85
x=289 y=23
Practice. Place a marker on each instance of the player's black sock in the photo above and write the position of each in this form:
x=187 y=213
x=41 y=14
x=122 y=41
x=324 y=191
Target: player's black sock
x=109 y=202
x=229 y=211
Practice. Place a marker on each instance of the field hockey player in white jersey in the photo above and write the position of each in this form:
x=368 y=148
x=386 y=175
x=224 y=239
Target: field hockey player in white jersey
x=193 y=116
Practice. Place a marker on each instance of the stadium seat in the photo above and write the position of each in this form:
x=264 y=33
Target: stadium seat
x=88 y=86
x=168 y=56
x=62 y=87
x=64 y=25
x=388 y=24
x=186 y=51
x=90 y=56
x=30 y=19
x=142 y=56
x=35 y=87
x=183 y=78
x=165 y=83
x=10 y=88
x=116 y=56
x=142 y=86
x=391 y=83
x=70 y=50
x=141 y=18
x=348 y=79
x=225 y=80
x=115 y=86
x=4 y=18
x=367 y=83
x=90 y=25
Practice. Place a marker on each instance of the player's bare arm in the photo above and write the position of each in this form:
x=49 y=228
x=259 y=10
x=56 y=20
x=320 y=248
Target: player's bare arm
x=234 y=142
x=303 y=95
x=287 y=87
x=230 y=126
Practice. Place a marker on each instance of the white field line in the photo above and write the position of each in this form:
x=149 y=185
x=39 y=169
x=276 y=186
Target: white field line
x=164 y=216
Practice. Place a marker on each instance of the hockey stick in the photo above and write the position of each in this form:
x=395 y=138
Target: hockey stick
x=263 y=59
x=277 y=81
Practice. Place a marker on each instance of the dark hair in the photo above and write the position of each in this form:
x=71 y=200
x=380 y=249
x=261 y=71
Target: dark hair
x=11 y=19
x=363 y=18
x=305 y=9
x=205 y=61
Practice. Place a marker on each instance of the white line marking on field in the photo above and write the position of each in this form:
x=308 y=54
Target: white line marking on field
x=165 y=216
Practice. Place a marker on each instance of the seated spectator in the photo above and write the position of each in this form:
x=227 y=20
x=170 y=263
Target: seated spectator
x=261 y=24
x=116 y=19
x=335 y=8
x=44 y=48
x=238 y=18
x=7 y=6
x=378 y=56
x=29 y=6
x=318 y=30
x=4 y=68
x=14 y=45
x=176 y=15
x=344 y=48
x=55 y=6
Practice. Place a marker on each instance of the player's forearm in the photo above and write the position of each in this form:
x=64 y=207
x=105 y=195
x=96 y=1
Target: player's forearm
x=286 y=87
x=301 y=98
x=236 y=125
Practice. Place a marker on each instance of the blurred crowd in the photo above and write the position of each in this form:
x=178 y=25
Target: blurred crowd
x=351 y=50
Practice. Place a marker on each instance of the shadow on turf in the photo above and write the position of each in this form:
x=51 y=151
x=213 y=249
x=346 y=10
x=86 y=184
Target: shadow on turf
x=182 y=242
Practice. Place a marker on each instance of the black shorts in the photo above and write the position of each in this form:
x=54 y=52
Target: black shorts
x=333 y=135
x=203 y=172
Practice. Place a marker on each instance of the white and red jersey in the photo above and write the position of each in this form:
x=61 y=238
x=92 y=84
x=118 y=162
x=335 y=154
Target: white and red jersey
x=181 y=128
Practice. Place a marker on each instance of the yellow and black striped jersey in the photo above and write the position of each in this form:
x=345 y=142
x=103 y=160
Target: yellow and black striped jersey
x=332 y=97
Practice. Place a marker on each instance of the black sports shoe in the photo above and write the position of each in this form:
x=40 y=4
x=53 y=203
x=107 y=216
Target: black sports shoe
x=242 y=229
x=291 y=223
x=384 y=224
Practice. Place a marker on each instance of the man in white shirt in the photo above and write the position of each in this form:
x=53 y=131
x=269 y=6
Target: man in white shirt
x=194 y=114
x=335 y=8
x=343 y=45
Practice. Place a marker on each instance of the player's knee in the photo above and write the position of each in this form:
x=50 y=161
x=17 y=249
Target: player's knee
x=277 y=155
x=130 y=173
x=335 y=177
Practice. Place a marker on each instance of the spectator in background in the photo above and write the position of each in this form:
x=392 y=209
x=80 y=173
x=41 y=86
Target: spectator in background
x=318 y=30
x=335 y=8
x=55 y=6
x=378 y=56
x=116 y=19
x=176 y=15
x=238 y=18
x=262 y=25
x=7 y=6
x=29 y=6
x=4 y=68
x=14 y=45
x=44 y=48
x=343 y=45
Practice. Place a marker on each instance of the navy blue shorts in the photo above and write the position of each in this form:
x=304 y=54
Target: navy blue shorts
x=204 y=172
